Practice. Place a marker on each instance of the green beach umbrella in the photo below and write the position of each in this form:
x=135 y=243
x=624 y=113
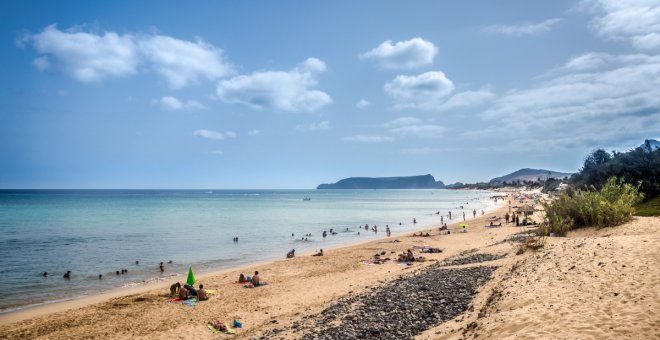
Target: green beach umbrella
x=191 y=277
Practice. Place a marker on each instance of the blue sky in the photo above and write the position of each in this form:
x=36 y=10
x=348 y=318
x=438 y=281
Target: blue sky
x=210 y=94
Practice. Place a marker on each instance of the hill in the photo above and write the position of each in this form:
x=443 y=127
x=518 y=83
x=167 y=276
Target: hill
x=409 y=182
x=529 y=175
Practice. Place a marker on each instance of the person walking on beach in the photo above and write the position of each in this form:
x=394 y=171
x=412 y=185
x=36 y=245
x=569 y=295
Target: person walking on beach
x=506 y=218
x=464 y=216
x=387 y=230
x=474 y=213
x=450 y=214
x=442 y=219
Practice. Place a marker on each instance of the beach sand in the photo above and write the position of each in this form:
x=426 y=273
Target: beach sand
x=537 y=294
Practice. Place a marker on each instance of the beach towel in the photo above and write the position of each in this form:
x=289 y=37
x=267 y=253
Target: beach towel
x=253 y=286
x=426 y=246
x=190 y=302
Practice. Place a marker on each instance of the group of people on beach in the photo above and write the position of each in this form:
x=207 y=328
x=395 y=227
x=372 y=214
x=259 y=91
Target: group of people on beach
x=255 y=280
x=187 y=291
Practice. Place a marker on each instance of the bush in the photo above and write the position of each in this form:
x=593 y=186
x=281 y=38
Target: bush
x=649 y=208
x=612 y=205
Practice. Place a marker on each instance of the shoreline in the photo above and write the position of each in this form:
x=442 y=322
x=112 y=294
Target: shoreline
x=52 y=307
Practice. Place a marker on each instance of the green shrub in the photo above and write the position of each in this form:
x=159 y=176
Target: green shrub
x=649 y=208
x=612 y=205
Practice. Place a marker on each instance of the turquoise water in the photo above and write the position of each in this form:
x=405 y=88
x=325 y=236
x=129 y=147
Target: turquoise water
x=92 y=232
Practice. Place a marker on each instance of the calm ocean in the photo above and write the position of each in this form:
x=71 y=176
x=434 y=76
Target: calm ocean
x=92 y=232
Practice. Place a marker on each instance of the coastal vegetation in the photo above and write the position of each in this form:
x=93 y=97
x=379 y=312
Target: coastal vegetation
x=648 y=208
x=611 y=205
x=640 y=166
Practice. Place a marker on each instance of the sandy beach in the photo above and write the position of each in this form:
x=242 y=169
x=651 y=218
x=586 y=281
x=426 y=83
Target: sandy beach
x=592 y=284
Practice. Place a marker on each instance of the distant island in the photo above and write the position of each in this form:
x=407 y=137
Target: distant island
x=409 y=182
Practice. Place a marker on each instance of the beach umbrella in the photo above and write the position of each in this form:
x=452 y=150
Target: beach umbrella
x=463 y=225
x=191 y=277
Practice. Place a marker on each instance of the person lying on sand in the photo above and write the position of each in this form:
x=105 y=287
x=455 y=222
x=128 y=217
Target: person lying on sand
x=242 y=279
x=174 y=289
x=202 y=295
x=291 y=254
x=218 y=325
x=320 y=253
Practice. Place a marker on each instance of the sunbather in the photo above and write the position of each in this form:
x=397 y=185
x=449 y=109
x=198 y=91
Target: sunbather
x=256 y=280
x=202 y=294
x=320 y=253
x=242 y=279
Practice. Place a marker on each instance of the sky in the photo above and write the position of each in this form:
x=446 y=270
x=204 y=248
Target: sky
x=290 y=94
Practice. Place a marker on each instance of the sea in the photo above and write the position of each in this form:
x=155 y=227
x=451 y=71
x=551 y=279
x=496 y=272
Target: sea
x=92 y=232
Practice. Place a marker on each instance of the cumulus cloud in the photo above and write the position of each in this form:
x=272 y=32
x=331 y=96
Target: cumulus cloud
x=606 y=98
x=254 y=132
x=362 y=103
x=320 y=126
x=281 y=90
x=210 y=134
x=84 y=56
x=369 y=139
x=425 y=91
x=91 y=57
x=528 y=28
x=635 y=21
x=182 y=62
x=173 y=103
x=407 y=54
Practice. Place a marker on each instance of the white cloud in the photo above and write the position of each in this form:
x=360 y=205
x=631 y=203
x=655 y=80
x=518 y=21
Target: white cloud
x=407 y=54
x=528 y=28
x=281 y=90
x=87 y=57
x=419 y=131
x=254 y=132
x=368 y=139
x=425 y=91
x=320 y=126
x=467 y=99
x=210 y=134
x=182 y=62
x=362 y=103
x=636 y=21
x=91 y=57
x=604 y=99
x=402 y=121
x=173 y=103
x=216 y=152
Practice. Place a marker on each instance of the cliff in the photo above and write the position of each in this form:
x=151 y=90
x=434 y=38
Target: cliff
x=410 y=182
